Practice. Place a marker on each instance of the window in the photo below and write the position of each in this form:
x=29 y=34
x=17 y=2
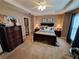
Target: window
x=74 y=26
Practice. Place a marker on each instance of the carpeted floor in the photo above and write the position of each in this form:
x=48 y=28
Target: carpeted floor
x=37 y=50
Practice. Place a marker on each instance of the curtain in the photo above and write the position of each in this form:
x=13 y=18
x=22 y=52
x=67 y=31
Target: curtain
x=70 y=28
x=76 y=40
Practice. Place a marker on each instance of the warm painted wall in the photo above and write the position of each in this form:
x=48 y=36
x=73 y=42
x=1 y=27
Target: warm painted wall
x=4 y=10
x=57 y=18
x=66 y=23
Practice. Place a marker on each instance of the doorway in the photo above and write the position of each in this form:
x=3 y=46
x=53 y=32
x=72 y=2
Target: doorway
x=26 y=23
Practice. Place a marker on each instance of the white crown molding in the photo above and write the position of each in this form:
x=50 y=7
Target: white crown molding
x=17 y=5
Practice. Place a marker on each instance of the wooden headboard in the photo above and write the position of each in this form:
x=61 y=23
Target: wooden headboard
x=47 y=24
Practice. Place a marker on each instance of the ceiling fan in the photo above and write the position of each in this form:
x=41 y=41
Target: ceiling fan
x=41 y=4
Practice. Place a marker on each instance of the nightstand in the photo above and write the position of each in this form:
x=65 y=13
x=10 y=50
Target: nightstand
x=58 y=33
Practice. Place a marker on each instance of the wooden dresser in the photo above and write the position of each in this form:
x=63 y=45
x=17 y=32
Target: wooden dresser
x=10 y=37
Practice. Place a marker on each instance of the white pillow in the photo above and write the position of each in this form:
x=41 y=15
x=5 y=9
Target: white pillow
x=51 y=29
x=47 y=29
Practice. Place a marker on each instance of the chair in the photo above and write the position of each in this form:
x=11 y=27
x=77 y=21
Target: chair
x=75 y=52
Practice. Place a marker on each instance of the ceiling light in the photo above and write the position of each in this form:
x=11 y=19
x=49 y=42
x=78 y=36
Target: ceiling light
x=41 y=7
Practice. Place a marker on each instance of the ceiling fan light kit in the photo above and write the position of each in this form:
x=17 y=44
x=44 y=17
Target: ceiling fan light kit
x=41 y=7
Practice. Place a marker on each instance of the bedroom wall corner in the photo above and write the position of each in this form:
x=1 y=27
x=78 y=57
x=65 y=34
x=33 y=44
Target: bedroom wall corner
x=66 y=23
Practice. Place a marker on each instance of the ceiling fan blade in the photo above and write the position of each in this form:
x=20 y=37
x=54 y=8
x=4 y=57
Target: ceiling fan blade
x=69 y=3
x=35 y=7
x=40 y=2
x=36 y=2
x=45 y=2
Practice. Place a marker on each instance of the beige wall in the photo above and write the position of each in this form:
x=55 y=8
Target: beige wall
x=57 y=18
x=66 y=23
x=4 y=10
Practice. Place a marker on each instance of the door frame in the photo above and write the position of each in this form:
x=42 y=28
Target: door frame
x=29 y=25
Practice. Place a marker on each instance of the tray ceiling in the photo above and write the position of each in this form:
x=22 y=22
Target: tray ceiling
x=58 y=6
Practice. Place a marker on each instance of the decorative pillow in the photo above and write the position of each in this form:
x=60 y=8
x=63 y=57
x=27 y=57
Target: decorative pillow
x=47 y=29
x=51 y=29
x=42 y=28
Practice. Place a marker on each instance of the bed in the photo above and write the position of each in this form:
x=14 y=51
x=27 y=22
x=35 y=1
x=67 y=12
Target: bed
x=45 y=35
